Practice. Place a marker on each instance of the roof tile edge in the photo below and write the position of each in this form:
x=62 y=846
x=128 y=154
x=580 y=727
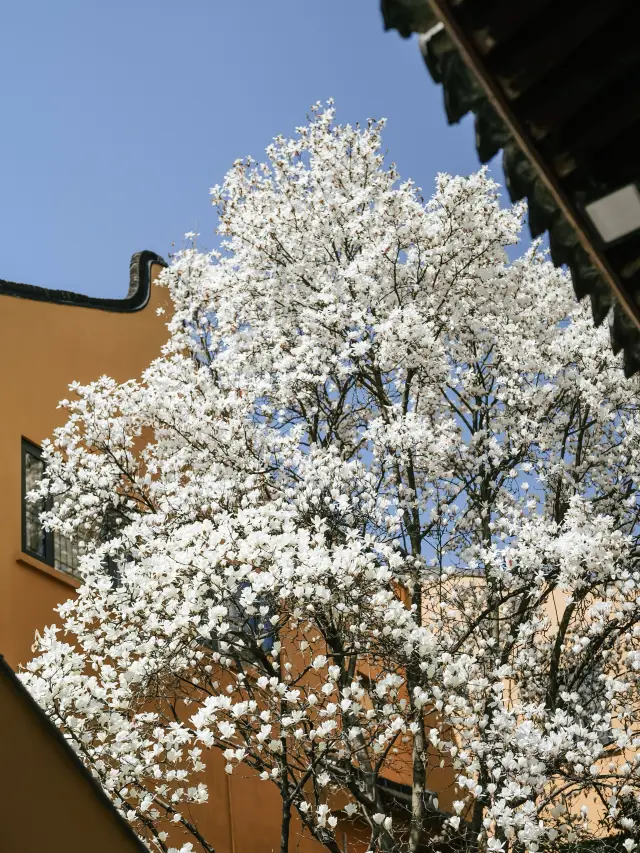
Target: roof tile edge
x=136 y=299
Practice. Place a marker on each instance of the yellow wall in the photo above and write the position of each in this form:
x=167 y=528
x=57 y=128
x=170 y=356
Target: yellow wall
x=41 y=778
x=44 y=347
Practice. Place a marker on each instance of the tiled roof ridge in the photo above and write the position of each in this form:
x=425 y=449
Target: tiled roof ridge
x=136 y=299
x=464 y=94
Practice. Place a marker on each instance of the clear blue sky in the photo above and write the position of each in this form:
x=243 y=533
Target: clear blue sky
x=118 y=116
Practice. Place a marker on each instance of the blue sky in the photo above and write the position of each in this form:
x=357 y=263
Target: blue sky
x=119 y=116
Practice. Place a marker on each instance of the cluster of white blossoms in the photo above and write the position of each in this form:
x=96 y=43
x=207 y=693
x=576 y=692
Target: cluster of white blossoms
x=374 y=518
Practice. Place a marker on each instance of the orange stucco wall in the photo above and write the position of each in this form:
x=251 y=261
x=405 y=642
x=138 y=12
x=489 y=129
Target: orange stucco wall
x=40 y=778
x=44 y=347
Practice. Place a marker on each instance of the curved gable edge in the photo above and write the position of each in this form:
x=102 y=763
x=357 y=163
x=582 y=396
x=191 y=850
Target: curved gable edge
x=136 y=299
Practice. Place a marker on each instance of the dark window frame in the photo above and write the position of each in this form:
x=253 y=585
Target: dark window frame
x=245 y=626
x=28 y=448
x=56 y=547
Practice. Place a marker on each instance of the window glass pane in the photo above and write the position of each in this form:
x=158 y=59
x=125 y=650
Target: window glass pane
x=66 y=554
x=35 y=541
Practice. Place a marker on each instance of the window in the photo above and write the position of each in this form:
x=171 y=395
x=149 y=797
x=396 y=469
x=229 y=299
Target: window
x=34 y=539
x=587 y=683
x=108 y=530
x=52 y=548
x=246 y=633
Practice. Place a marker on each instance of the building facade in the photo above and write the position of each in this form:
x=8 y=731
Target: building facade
x=39 y=767
x=49 y=339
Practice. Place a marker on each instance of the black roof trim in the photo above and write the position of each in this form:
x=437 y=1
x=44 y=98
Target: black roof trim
x=136 y=299
x=54 y=732
x=407 y=16
x=464 y=94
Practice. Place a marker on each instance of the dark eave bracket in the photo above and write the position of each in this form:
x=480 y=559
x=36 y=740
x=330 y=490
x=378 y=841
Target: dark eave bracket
x=468 y=51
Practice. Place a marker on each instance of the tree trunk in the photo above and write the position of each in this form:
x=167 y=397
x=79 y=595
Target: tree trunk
x=418 y=786
x=285 y=826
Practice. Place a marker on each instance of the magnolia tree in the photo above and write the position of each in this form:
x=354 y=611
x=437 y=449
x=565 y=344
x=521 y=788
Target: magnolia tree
x=372 y=512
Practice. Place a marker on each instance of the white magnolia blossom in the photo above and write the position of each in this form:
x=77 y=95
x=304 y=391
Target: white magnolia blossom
x=371 y=515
